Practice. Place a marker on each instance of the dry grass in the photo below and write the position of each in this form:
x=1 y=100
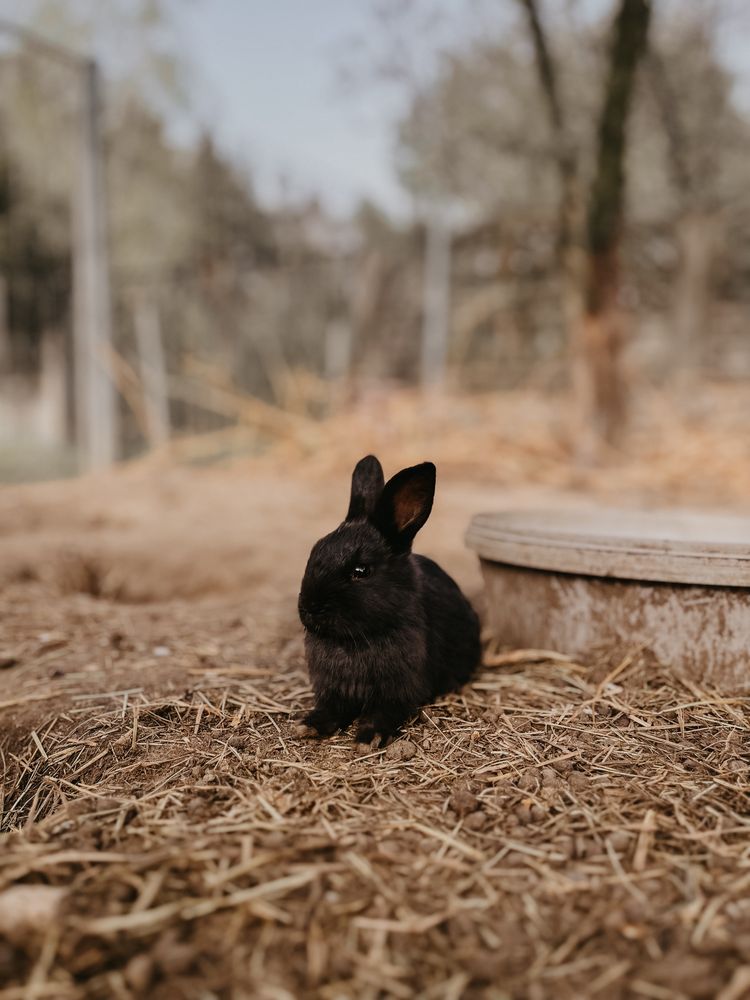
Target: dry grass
x=693 y=449
x=550 y=832
x=555 y=831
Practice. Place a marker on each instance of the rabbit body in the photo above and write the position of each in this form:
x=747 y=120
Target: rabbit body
x=386 y=630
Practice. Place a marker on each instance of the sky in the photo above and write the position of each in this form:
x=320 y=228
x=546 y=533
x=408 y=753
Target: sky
x=270 y=78
x=267 y=77
x=272 y=88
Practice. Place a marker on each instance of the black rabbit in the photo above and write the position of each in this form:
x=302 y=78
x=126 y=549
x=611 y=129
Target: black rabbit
x=385 y=630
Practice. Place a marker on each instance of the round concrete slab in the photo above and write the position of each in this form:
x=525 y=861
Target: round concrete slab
x=582 y=582
x=674 y=547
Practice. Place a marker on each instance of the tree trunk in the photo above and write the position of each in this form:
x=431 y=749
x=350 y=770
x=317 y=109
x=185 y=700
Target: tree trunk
x=571 y=222
x=603 y=390
x=600 y=384
x=696 y=237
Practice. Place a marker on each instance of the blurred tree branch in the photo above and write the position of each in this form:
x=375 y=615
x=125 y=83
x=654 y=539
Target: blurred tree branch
x=596 y=341
x=602 y=331
x=570 y=211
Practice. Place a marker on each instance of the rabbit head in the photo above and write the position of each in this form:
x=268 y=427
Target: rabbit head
x=359 y=580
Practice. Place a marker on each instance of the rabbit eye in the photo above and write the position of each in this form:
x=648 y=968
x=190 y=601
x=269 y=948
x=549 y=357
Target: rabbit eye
x=360 y=572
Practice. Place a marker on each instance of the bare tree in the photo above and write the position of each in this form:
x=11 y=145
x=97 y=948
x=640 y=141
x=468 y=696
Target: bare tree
x=602 y=329
x=571 y=248
x=590 y=251
x=706 y=152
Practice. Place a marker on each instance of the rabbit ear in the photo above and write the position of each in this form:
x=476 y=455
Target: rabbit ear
x=367 y=485
x=405 y=505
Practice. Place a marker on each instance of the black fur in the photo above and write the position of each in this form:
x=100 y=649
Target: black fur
x=385 y=630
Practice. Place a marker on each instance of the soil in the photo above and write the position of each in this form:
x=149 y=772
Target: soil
x=555 y=830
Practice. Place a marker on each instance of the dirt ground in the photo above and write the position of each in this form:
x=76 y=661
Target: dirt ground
x=556 y=830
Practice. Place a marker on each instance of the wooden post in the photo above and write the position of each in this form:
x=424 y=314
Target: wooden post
x=153 y=371
x=5 y=355
x=337 y=349
x=96 y=401
x=436 y=299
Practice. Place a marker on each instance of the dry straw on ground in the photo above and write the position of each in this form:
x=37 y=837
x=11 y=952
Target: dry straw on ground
x=549 y=832
x=555 y=831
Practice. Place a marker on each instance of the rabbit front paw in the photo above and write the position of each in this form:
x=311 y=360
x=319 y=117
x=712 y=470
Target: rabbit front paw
x=325 y=720
x=381 y=728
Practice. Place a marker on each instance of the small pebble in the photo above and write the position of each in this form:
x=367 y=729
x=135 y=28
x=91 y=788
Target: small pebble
x=529 y=780
x=523 y=812
x=620 y=840
x=550 y=777
x=161 y=651
x=563 y=766
x=462 y=800
x=735 y=764
x=139 y=972
x=172 y=956
x=476 y=820
x=401 y=750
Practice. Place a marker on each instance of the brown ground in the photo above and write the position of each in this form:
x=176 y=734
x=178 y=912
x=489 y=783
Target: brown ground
x=555 y=831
